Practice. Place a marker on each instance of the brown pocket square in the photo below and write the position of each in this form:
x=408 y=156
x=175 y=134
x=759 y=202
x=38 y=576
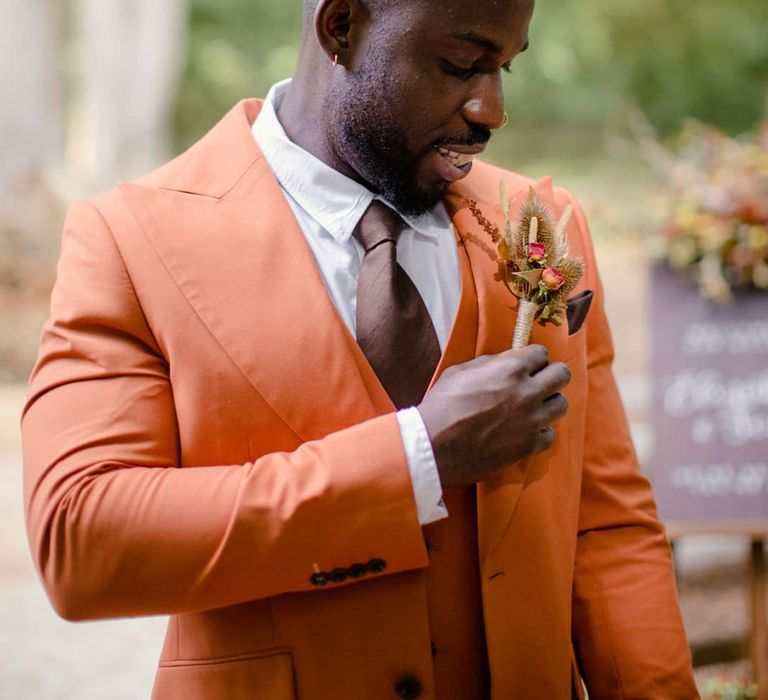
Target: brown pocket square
x=577 y=310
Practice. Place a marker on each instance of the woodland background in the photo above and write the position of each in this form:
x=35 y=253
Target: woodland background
x=94 y=91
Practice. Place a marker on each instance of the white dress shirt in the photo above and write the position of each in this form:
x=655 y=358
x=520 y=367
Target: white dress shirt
x=328 y=207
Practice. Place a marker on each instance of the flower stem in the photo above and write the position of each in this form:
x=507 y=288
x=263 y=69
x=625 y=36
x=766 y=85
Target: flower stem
x=526 y=315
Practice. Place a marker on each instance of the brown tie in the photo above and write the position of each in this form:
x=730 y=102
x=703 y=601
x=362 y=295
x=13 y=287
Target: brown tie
x=394 y=329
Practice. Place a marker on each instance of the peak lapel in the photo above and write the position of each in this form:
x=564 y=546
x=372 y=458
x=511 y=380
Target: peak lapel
x=244 y=266
x=497 y=498
x=497 y=311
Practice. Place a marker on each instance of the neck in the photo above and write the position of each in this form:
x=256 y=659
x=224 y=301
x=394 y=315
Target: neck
x=302 y=114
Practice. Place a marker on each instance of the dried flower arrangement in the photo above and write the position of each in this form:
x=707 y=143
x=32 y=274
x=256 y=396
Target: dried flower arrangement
x=723 y=688
x=533 y=262
x=718 y=210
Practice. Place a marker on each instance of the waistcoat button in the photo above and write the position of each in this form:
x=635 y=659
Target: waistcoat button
x=408 y=687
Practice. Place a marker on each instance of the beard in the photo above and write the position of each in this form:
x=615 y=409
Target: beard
x=375 y=147
x=378 y=152
x=366 y=134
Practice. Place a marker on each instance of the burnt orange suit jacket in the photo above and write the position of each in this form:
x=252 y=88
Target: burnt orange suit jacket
x=202 y=431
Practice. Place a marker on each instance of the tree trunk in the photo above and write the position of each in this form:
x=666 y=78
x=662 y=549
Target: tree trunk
x=31 y=115
x=133 y=56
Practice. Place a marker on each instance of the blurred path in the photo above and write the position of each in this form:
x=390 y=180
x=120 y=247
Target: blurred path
x=44 y=657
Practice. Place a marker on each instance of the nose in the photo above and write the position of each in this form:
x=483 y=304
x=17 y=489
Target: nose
x=485 y=104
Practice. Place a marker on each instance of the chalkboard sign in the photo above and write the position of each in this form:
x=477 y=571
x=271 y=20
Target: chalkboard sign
x=710 y=406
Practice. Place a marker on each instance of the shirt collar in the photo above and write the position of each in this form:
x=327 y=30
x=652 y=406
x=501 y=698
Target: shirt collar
x=332 y=199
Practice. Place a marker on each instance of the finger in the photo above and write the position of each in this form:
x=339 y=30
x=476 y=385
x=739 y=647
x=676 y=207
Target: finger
x=532 y=358
x=552 y=378
x=555 y=407
x=545 y=439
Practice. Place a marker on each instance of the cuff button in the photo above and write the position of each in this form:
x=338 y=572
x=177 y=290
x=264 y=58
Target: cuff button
x=376 y=566
x=338 y=575
x=319 y=578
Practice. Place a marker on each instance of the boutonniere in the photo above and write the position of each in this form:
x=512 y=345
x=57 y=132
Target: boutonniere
x=534 y=263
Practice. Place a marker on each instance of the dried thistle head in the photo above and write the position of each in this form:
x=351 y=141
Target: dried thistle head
x=572 y=269
x=533 y=255
x=534 y=208
x=561 y=242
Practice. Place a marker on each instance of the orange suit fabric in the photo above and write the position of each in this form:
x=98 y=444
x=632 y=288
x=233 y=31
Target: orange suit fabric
x=202 y=434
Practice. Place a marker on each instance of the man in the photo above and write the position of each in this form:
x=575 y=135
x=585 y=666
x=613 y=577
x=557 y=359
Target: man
x=228 y=420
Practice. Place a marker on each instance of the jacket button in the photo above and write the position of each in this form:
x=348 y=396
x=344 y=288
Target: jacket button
x=358 y=570
x=408 y=687
x=338 y=575
x=319 y=579
x=376 y=566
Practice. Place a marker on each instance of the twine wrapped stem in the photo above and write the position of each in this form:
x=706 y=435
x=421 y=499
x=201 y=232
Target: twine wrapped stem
x=526 y=315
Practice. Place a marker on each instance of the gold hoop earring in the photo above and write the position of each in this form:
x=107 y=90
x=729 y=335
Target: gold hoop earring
x=505 y=122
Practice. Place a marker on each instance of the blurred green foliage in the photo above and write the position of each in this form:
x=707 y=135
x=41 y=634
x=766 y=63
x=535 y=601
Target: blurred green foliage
x=236 y=49
x=589 y=60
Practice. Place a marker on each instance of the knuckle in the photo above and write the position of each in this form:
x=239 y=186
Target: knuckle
x=526 y=395
x=516 y=367
x=542 y=352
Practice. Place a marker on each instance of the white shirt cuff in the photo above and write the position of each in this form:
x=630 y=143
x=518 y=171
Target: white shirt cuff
x=425 y=478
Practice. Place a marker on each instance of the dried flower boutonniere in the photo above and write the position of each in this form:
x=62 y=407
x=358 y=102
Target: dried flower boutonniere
x=533 y=262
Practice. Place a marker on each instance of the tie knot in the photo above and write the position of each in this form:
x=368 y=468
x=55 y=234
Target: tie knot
x=378 y=225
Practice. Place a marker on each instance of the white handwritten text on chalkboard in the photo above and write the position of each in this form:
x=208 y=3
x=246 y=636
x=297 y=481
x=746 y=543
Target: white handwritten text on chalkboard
x=721 y=479
x=737 y=338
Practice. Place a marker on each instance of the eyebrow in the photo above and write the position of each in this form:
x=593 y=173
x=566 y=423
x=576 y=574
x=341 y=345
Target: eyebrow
x=483 y=42
x=479 y=40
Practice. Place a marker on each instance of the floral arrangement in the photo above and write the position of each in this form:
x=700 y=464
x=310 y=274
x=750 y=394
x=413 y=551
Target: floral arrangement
x=717 y=229
x=533 y=262
x=721 y=688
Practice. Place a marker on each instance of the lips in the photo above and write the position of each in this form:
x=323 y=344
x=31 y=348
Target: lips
x=456 y=160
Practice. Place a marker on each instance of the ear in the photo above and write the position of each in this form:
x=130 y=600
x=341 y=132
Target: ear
x=334 y=24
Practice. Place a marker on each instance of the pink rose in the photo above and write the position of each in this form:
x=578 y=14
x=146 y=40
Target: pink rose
x=552 y=278
x=536 y=252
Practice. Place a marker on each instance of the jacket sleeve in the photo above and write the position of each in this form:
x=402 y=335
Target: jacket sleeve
x=117 y=527
x=627 y=628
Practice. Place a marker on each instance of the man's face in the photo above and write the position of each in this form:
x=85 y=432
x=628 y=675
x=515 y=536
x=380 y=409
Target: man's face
x=422 y=94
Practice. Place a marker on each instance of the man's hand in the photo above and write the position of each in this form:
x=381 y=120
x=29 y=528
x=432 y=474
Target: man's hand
x=493 y=411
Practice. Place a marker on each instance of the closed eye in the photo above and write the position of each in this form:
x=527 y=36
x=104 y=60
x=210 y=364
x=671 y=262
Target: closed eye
x=458 y=71
x=466 y=73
